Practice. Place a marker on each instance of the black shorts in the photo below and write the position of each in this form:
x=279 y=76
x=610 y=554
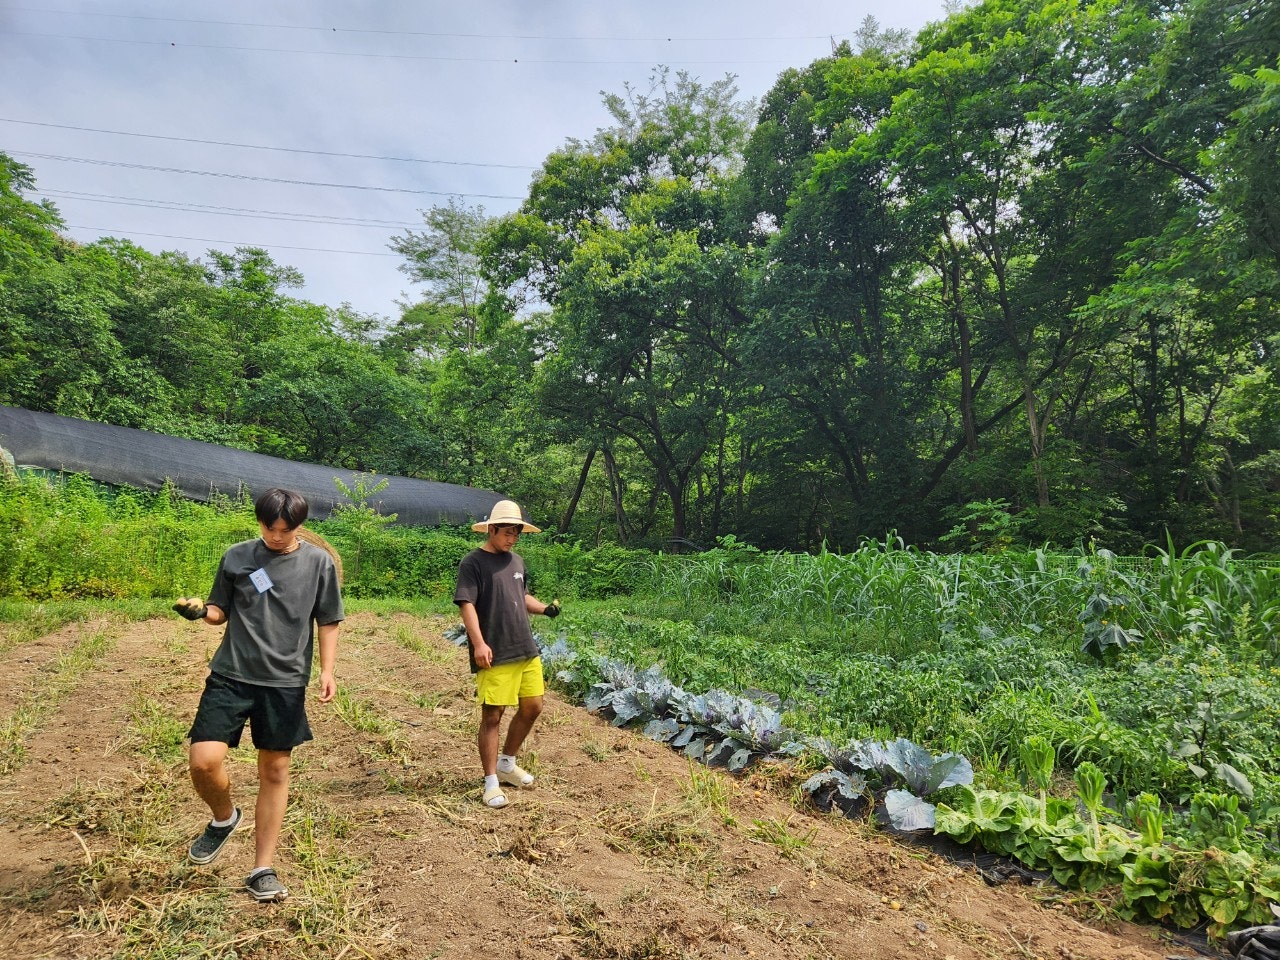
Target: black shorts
x=277 y=716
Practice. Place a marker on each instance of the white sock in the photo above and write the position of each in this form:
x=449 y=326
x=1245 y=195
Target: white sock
x=506 y=763
x=490 y=781
x=224 y=823
x=253 y=873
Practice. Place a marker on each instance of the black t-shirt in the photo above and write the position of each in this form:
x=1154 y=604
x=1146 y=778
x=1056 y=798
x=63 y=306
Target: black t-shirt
x=495 y=584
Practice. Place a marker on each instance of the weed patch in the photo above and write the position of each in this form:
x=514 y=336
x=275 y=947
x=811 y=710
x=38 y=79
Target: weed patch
x=710 y=791
x=413 y=640
x=155 y=733
x=676 y=832
x=779 y=834
x=34 y=708
x=23 y=622
x=389 y=743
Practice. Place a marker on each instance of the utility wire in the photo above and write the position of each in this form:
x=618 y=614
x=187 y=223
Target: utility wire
x=391 y=56
x=257 y=146
x=108 y=232
x=416 y=33
x=246 y=176
x=242 y=212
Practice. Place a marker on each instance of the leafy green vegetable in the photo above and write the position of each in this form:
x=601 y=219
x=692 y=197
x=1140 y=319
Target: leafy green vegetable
x=1090 y=783
x=906 y=811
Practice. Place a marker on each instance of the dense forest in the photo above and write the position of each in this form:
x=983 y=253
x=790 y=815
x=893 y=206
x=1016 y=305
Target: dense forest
x=1011 y=280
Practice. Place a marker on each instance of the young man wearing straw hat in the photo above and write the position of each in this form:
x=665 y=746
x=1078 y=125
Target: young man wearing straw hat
x=269 y=592
x=494 y=600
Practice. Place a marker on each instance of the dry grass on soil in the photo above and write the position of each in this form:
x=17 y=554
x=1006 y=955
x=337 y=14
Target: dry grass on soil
x=623 y=850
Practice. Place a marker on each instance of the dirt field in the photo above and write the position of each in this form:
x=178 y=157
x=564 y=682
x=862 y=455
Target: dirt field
x=621 y=850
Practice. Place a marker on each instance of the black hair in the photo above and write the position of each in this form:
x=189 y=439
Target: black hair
x=280 y=504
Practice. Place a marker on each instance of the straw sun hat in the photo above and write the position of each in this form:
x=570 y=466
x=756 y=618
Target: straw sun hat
x=504 y=511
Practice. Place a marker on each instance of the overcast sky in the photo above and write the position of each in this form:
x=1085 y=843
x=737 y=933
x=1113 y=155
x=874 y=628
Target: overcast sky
x=318 y=130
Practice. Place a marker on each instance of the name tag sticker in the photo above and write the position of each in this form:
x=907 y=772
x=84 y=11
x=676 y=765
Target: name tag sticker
x=261 y=580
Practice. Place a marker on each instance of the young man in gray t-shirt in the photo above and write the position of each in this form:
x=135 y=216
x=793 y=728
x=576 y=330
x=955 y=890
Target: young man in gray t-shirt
x=268 y=592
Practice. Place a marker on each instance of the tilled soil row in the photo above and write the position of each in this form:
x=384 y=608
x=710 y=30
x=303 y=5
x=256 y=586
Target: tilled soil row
x=82 y=746
x=610 y=852
x=621 y=850
x=21 y=665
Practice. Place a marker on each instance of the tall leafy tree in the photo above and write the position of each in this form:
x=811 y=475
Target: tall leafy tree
x=162 y=317
x=984 y=141
x=444 y=259
x=63 y=354
x=831 y=341
x=1205 y=106
x=622 y=237
x=1193 y=317
x=326 y=398
x=491 y=433
x=28 y=230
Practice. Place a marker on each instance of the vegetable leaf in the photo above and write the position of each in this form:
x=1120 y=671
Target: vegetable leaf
x=906 y=811
x=849 y=787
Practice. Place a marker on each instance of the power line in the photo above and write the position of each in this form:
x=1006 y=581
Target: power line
x=256 y=146
x=214 y=210
x=107 y=231
x=200 y=207
x=420 y=33
x=392 y=56
x=247 y=176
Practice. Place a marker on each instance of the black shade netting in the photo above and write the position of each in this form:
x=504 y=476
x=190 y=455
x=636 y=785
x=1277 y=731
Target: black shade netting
x=202 y=471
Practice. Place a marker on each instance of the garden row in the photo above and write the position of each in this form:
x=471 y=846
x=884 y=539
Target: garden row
x=1154 y=676
x=1205 y=865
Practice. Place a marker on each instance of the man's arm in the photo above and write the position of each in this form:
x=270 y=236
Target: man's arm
x=482 y=652
x=193 y=608
x=533 y=606
x=327 y=634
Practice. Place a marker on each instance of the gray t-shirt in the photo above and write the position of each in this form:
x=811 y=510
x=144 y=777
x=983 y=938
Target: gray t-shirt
x=495 y=584
x=272 y=601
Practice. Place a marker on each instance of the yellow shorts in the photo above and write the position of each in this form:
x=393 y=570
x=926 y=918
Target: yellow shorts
x=505 y=684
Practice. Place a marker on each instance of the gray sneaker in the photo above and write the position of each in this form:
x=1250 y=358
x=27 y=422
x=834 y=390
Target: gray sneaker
x=265 y=885
x=206 y=847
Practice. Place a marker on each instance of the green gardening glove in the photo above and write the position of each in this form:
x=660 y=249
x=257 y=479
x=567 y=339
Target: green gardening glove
x=553 y=609
x=192 y=608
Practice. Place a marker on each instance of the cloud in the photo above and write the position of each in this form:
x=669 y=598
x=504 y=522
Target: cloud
x=486 y=89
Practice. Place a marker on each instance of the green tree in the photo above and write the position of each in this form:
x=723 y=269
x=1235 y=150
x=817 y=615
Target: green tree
x=833 y=344
x=984 y=143
x=62 y=353
x=1205 y=106
x=252 y=307
x=491 y=432
x=1192 y=319
x=622 y=237
x=28 y=230
x=162 y=316
x=327 y=399
x=444 y=259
